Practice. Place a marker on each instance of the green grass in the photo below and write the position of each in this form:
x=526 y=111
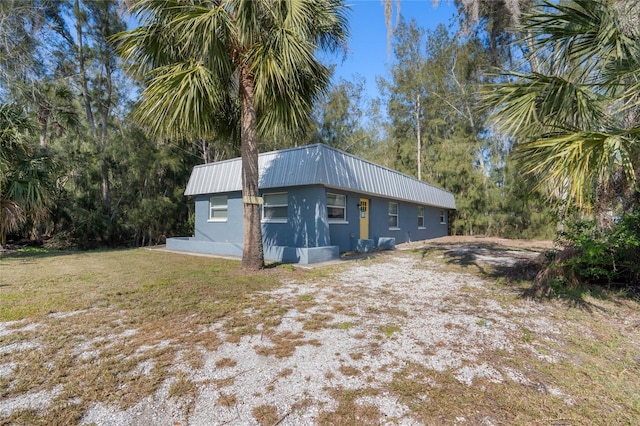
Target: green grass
x=124 y=306
x=389 y=330
x=344 y=325
x=151 y=283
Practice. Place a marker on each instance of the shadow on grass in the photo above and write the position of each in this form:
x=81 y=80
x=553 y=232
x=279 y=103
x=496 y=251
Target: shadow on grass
x=524 y=277
x=529 y=276
x=28 y=253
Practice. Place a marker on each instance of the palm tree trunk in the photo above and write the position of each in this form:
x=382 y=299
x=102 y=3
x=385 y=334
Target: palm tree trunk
x=252 y=254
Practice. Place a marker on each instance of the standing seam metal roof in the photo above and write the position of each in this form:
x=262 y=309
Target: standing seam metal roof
x=318 y=164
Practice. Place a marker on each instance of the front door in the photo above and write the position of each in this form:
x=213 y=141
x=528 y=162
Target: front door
x=364 y=219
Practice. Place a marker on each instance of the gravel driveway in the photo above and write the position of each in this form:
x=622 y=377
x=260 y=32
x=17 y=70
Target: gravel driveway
x=397 y=312
x=374 y=342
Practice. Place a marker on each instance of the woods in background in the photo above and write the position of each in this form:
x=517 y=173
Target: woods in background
x=77 y=170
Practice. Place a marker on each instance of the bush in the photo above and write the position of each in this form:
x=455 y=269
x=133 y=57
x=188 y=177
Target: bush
x=607 y=258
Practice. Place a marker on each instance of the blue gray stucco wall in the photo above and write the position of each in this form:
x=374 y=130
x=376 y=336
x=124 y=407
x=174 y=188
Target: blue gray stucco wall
x=231 y=231
x=307 y=225
x=345 y=235
x=407 y=222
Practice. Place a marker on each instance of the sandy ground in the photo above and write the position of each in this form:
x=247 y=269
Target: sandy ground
x=479 y=242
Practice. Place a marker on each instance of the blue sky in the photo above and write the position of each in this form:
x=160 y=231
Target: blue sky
x=368 y=55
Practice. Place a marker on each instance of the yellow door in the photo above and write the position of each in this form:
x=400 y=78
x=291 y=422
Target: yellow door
x=364 y=219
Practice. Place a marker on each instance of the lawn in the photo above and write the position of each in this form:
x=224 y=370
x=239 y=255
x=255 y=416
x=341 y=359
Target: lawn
x=124 y=305
x=141 y=336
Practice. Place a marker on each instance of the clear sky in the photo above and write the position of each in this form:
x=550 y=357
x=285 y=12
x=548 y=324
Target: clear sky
x=368 y=55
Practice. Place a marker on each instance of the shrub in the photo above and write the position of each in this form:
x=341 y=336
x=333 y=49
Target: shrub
x=607 y=258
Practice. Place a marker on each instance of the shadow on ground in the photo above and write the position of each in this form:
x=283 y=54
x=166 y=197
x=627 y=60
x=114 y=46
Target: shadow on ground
x=521 y=270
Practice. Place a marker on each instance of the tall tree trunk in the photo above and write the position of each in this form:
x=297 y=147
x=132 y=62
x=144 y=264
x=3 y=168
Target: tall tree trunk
x=97 y=140
x=83 y=73
x=252 y=254
x=418 y=110
x=105 y=110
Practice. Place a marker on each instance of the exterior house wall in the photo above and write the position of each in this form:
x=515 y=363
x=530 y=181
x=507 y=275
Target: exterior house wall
x=231 y=231
x=345 y=235
x=302 y=238
x=407 y=229
x=306 y=224
x=307 y=235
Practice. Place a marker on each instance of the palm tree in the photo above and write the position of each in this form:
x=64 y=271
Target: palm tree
x=574 y=112
x=23 y=174
x=223 y=67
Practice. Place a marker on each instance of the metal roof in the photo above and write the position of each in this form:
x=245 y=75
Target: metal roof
x=323 y=165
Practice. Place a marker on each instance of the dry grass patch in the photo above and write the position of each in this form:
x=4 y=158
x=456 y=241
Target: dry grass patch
x=286 y=372
x=266 y=415
x=227 y=400
x=304 y=302
x=339 y=308
x=226 y=382
x=317 y=322
x=348 y=411
x=348 y=370
x=284 y=344
x=182 y=387
x=226 y=362
x=194 y=359
x=109 y=326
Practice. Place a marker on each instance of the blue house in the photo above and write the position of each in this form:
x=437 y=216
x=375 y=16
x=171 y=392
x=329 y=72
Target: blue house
x=317 y=202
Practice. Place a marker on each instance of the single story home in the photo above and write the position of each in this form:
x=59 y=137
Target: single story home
x=317 y=202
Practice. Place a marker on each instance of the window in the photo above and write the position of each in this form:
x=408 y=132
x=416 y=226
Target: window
x=393 y=215
x=336 y=207
x=420 y=217
x=443 y=217
x=218 y=209
x=275 y=207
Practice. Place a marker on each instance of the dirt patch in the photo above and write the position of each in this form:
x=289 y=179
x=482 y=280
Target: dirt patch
x=490 y=256
x=459 y=241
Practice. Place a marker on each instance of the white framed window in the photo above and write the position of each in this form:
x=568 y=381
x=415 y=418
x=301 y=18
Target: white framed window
x=218 y=209
x=420 y=217
x=336 y=207
x=275 y=207
x=443 y=217
x=393 y=215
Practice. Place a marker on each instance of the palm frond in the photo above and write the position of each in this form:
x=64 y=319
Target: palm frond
x=537 y=103
x=181 y=99
x=572 y=164
x=11 y=218
x=575 y=121
x=189 y=54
